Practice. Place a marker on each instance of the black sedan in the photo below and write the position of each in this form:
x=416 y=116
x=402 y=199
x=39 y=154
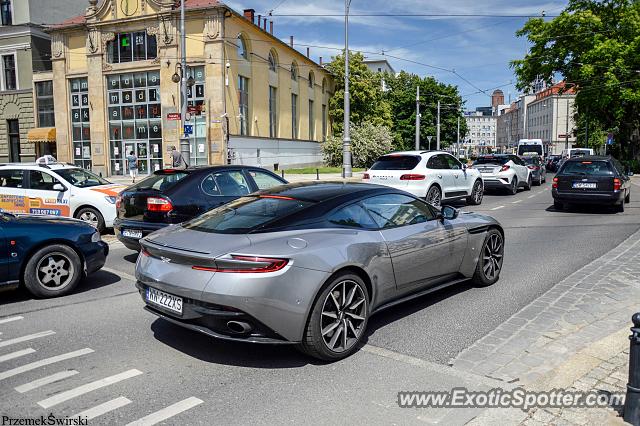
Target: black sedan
x=591 y=180
x=176 y=195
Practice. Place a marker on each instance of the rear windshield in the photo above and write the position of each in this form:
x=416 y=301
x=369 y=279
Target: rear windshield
x=523 y=149
x=396 y=162
x=580 y=152
x=160 y=181
x=586 y=168
x=491 y=160
x=530 y=160
x=245 y=214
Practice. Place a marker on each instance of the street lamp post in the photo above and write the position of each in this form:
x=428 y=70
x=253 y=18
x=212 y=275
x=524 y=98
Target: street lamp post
x=418 y=119
x=346 y=140
x=438 y=126
x=184 y=140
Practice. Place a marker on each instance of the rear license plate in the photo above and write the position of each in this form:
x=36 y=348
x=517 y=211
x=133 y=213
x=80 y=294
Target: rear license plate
x=166 y=300
x=132 y=233
x=585 y=185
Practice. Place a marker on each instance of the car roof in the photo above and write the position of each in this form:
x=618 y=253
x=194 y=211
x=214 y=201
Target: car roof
x=493 y=155
x=35 y=166
x=319 y=191
x=207 y=168
x=424 y=153
x=590 y=158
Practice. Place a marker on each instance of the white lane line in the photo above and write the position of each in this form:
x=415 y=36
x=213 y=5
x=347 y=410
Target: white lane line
x=516 y=202
x=16 y=354
x=45 y=381
x=167 y=412
x=11 y=319
x=26 y=338
x=101 y=409
x=531 y=196
x=43 y=362
x=86 y=388
x=497 y=208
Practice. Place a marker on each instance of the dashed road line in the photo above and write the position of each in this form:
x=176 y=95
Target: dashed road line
x=516 y=202
x=43 y=362
x=531 y=196
x=10 y=319
x=497 y=208
x=16 y=354
x=101 y=409
x=167 y=412
x=86 y=388
x=26 y=338
x=45 y=381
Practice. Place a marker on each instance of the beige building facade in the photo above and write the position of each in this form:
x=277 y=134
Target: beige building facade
x=252 y=98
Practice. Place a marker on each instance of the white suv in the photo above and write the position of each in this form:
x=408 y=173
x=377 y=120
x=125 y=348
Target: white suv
x=503 y=171
x=435 y=176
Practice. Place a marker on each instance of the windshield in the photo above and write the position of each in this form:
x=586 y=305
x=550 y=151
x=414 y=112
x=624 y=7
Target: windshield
x=587 y=168
x=491 y=160
x=396 y=162
x=530 y=160
x=81 y=178
x=523 y=149
x=160 y=181
x=246 y=214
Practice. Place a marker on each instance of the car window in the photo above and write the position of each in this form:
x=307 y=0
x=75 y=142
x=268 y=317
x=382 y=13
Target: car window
x=160 y=181
x=81 y=178
x=531 y=160
x=452 y=162
x=586 y=168
x=502 y=160
x=396 y=162
x=619 y=167
x=437 y=162
x=392 y=210
x=354 y=216
x=41 y=180
x=11 y=178
x=264 y=180
x=225 y=184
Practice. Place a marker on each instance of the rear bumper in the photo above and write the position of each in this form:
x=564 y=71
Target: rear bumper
x=494 y=182
x=605 y=198
x=146 y=228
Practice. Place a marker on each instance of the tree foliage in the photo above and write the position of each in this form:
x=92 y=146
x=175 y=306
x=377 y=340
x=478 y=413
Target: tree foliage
x=368 y=142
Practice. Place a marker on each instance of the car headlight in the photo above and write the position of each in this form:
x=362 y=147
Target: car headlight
x=110 y=200
x=95 y=237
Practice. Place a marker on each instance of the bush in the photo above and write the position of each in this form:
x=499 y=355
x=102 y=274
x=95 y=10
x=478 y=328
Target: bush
x=368 y=142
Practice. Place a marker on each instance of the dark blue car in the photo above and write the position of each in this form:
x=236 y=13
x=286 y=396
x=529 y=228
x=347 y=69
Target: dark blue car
x=48 y=255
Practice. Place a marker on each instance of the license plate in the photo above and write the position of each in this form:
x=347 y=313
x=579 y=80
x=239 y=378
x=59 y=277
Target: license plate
x=585 y=185
x=132 y=233
x=166 y=300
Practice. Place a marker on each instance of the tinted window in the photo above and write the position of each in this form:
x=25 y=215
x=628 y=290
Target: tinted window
x=389 y=211
x=160 y=181
x=245 y=214
x=11 y=178
x=264 y=180
x=452 y=162
x=42 y=181
x=522 y=149
x=354 y=216
x=587 y=168
x=81 y=178
x=531 y=160
x=491 y=160
x=225 y=184
x=396 y=162
x=437 y=162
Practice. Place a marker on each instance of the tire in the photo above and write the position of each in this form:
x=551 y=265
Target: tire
x=527 y=186
x=53 y=271
x=513 y=190
x=627 y=199
x=91 y=216
x=490 y=261
x=317 y=344
x=558 y=205
x=620 y=207
x=434 y=196
x=477 y=193
x=539 y=183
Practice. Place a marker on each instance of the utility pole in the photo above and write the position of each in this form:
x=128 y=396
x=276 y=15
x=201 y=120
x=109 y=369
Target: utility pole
x=458 y=138
x=418 y=119
x=346 y=140
x=184 y=139
x=566 y=133
x=586 y=130
x=438 y=135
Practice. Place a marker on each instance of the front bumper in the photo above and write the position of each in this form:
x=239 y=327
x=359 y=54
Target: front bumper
x=95 y=256
x=604 y=198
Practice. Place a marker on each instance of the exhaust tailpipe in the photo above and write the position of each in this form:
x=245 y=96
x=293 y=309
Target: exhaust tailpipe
x=239 y=327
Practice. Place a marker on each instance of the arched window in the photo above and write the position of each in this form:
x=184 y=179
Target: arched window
x=294 y=71
x=312 y=79
x=273 y=62
x=243 y=52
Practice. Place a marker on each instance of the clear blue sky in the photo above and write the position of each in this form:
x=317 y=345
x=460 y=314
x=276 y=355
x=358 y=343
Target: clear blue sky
x=477 y=48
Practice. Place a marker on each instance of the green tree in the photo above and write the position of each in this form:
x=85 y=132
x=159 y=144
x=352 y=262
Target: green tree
x=365 y=88
x=594 y=45
x=369 y=141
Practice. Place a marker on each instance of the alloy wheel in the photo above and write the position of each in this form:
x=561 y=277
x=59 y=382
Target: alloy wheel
x=344 y=315
x=90 y=217
x=55 y=271
x=492 y=256
x=477 y=193
x=433 y=197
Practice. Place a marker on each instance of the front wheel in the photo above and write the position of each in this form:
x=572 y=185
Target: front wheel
x=475 y=199
x=490 y=260
x=92 y=217
x=434 y=196
x=53 y=271
x=338 y=319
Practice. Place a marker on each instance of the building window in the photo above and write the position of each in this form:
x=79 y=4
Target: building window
x=294 y=72
x=312 y=122
x=135 y=120
x=312 y=80
x=273 y=112
x=80 y=130
x=294 y=116
x=13 y=131
x=9 y=71
x=129 y=47
x=324 y=122
x=242 y=47
x=5 y=12
x=195 y=103
x=273 y=63
x=324 y=85
x=44 y=104
x=243 y=105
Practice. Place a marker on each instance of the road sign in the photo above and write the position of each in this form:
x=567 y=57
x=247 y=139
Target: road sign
x=610 y=139
x=562 y=136
x=195 y=109
x=173 y=116
x=188 y=129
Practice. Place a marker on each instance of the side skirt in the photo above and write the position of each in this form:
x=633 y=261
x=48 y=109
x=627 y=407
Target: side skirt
x=418 y=294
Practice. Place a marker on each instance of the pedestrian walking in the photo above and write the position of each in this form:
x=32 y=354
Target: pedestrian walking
x=177 y=160
x=133 y=166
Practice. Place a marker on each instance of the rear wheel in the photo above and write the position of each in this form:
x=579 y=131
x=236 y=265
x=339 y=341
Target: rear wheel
x=477 y=193
x=539 y=180
x=434 y=196
x=620 y=207
x=53 y=271
x=490 y=261
x=527 y=186
x=513 y=189
x=627 y=199
x=92 y=217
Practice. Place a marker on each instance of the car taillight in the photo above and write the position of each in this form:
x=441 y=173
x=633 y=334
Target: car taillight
x=246 y=264
x=617 y=184
x=532 y=167
x=412 y=177
x=505 y=168
x=118 y=201
x=156 y=204
x=555 y=182
x=366 y=176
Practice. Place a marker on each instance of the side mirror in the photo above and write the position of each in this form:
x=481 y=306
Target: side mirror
x=449 y=213
x=59 y=187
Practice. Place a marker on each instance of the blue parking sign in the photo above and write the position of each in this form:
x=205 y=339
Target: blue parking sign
x=610 y=139
x=188 y=129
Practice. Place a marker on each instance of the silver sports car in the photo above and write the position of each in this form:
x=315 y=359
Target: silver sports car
x=309 y=263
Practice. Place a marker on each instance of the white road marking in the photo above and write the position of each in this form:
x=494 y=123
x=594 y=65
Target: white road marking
x=27 y=337
x=167 y=412
x=11 y=319
x=86 y=388
x=101 y=409
x=120 y=274
x=516 y=202
x=497 y=208
x=531 y=196
x=45 y=381
x=43 y=362
x=16 y=354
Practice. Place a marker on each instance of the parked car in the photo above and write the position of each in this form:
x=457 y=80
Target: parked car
x=433 y=175
x=538 y=171
x=48 y=255
x=504 y=171
x=58 y=190
x=591 y=180
x=309 y=263
x=552 y=163
x=176 y=195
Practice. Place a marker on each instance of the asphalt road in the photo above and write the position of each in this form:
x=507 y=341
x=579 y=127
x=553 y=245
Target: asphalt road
x=127 y=364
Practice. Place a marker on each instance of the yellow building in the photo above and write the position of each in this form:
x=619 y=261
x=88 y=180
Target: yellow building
x=252 y=100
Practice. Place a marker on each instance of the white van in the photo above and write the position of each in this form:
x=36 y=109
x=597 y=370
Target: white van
x=576 y=152
x=530 y=146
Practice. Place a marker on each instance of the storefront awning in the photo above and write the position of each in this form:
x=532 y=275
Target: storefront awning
x=42 y=134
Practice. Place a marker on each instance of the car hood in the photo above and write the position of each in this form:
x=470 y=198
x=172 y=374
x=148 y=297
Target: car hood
x=40 y=220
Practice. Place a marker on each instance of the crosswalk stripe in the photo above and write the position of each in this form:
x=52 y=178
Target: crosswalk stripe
x=16 y=354
x=101 y=409
x=25 y=338
x=45 y=381
x=88 y=387
x=167 y=412
x=10 y=319
x=43 y=362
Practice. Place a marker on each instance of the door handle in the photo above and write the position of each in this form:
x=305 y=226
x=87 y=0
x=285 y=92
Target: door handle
x=439 y=176
x=457 y=176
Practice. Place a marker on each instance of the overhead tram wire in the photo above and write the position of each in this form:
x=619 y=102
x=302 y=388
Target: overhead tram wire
x=409 y=15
